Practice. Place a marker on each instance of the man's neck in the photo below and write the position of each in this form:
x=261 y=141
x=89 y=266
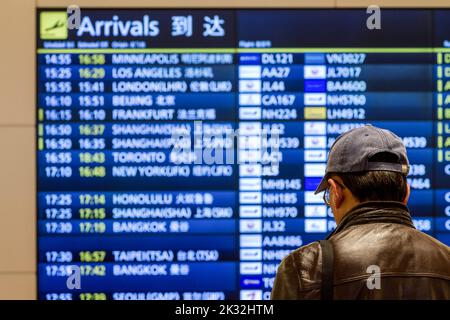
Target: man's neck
x=344 y=210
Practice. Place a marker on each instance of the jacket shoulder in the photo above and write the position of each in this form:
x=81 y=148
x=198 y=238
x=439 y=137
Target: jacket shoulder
x=308 y=260
x=298 y=275
x=395 y=248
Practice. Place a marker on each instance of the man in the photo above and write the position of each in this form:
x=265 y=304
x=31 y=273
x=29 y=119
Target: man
x=375 y=252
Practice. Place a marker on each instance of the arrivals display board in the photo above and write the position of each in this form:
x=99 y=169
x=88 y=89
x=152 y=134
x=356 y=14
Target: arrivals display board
x=178 y=150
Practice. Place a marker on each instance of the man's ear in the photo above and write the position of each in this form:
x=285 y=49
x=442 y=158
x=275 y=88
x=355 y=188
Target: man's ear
x=408 y=192
x=336 y=190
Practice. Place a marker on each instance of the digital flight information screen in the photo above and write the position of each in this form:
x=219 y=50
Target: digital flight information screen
x=178 y=150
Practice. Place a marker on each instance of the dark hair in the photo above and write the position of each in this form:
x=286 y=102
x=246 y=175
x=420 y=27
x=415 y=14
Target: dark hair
x=376 y=185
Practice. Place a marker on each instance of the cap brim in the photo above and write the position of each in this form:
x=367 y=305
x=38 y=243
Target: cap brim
x=322 y=185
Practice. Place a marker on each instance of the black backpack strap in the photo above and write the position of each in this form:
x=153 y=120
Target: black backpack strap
x=327 y=269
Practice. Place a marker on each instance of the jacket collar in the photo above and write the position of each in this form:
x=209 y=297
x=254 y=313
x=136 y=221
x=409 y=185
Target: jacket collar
x=375 y=212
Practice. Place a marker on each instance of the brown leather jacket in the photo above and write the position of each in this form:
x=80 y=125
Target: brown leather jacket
x=412 y=264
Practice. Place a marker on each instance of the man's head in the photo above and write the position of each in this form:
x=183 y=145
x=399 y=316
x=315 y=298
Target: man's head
x=365 y=164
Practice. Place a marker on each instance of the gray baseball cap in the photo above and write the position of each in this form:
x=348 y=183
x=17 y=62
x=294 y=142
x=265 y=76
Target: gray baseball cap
x=352 y=150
